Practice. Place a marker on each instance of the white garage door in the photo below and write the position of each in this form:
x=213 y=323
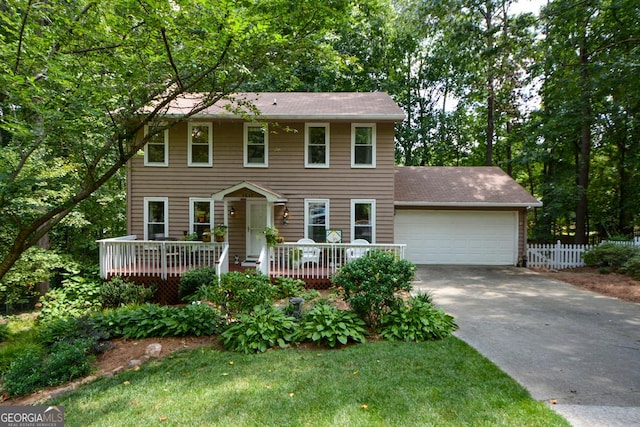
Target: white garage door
x=458 y=237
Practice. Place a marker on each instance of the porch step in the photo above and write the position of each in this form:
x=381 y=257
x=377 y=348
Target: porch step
x=249 y=263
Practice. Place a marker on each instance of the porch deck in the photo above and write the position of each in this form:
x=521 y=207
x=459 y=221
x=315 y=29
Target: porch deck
x=314 y=263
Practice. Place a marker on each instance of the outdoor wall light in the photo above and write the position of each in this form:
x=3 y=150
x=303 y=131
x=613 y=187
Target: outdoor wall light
x=285 y=215
x=232 y=212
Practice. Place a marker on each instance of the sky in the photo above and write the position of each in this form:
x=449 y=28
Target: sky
x=533 y=6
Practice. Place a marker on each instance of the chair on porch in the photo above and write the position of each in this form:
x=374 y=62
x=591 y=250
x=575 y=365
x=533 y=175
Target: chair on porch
x=354 y=253
x=309 y=253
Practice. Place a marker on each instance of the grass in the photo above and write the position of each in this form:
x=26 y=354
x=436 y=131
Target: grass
x=443 y=383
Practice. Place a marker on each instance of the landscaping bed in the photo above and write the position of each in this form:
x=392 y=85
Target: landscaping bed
x=612 y=284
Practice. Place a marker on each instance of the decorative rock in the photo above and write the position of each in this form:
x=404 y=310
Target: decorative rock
x=153 y=350
x=134 y=362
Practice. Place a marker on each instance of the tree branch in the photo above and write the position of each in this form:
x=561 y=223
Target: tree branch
x=163 y=31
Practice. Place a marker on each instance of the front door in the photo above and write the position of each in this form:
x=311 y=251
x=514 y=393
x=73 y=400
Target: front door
x=256 y=223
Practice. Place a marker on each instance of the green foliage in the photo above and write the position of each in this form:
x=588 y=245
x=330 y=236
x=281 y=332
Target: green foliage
x=266 y=327
x=610 y=256
x=24 y=374
x=77 y=296
x=118 y=292
x=287 y=287
x=370 y=284
x=67 y=361
x=192 y=280
x=4 y=332
x=36 y=265
x=151 y=320
x=327 y=325
x=417 y=320
x=632 y=267
x=32 y=370
x=73 y=329
x=239 y=292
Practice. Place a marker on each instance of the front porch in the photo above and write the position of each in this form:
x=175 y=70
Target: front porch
x=313 y=263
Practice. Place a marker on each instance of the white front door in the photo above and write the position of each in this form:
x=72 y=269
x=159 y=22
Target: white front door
x=256 y=223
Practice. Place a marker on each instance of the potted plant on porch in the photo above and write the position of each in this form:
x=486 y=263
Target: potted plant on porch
x=271 y=236
x=220 y=232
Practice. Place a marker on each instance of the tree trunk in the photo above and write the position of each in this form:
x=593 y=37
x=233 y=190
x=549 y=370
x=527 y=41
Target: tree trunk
x=584 y=157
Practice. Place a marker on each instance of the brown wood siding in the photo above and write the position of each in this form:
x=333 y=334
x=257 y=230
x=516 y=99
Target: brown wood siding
x=286 y=174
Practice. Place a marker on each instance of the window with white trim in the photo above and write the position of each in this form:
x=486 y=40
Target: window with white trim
x=200 y=143
x=316 y=145
x=363 y=145
x=156 y=218
x=200 y=213
x=156 y=150
x=363 y=220
x=316 y=219
x=256 y=145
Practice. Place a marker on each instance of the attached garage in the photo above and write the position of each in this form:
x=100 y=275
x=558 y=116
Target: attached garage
x=461 y=215
x=458 y=237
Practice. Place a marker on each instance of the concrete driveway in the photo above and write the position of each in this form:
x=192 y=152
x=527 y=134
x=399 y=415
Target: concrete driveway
x=574 y=348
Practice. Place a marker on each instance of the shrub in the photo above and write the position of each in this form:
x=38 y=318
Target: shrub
x=609 y=256
x=31 y=370
x=4 y=332
x=68 y=360
x=239 y=292
x=369 y=284
x=75 y=329
x=192 y=280
x=418 y=320
x=24 y=374
x=287 y=287
x=266 y=327
x=76 y=297
x=155 y=321
x=632 y=267
x=327 y=325
x=118 y=292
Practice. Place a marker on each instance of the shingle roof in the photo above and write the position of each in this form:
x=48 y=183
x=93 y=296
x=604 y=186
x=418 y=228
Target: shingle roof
x=459 y=186
x=377 y=106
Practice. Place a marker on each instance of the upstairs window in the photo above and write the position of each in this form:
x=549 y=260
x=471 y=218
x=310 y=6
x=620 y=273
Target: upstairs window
x=256 y=145
x=316 y=141
x=200 y=144
x=363 y=145
x=156 y=214
x=156 y=151
x=363 y=220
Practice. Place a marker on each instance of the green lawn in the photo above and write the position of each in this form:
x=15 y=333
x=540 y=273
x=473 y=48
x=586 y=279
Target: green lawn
x=374 y=384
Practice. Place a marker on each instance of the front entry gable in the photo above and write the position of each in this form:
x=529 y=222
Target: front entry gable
x=246 y=189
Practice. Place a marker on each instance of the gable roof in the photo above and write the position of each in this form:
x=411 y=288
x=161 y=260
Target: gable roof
x=262 y=190
x=482 y=186
x=375 y=106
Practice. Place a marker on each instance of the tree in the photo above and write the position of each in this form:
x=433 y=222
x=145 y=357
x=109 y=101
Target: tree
x=80 y=79
x=591 y=100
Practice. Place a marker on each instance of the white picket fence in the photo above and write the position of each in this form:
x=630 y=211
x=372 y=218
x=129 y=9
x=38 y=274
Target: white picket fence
x=558 y=256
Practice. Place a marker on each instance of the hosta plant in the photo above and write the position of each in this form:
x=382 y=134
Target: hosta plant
x=266 y=327
x=327 y=325
x=416 y=320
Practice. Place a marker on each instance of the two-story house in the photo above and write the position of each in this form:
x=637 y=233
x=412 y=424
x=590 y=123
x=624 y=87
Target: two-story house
x=317 y=166
x=310 y=162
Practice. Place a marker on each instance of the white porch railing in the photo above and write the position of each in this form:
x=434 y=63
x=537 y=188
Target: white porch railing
x=558 y=256
x=125 y=256
x=318 y=260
